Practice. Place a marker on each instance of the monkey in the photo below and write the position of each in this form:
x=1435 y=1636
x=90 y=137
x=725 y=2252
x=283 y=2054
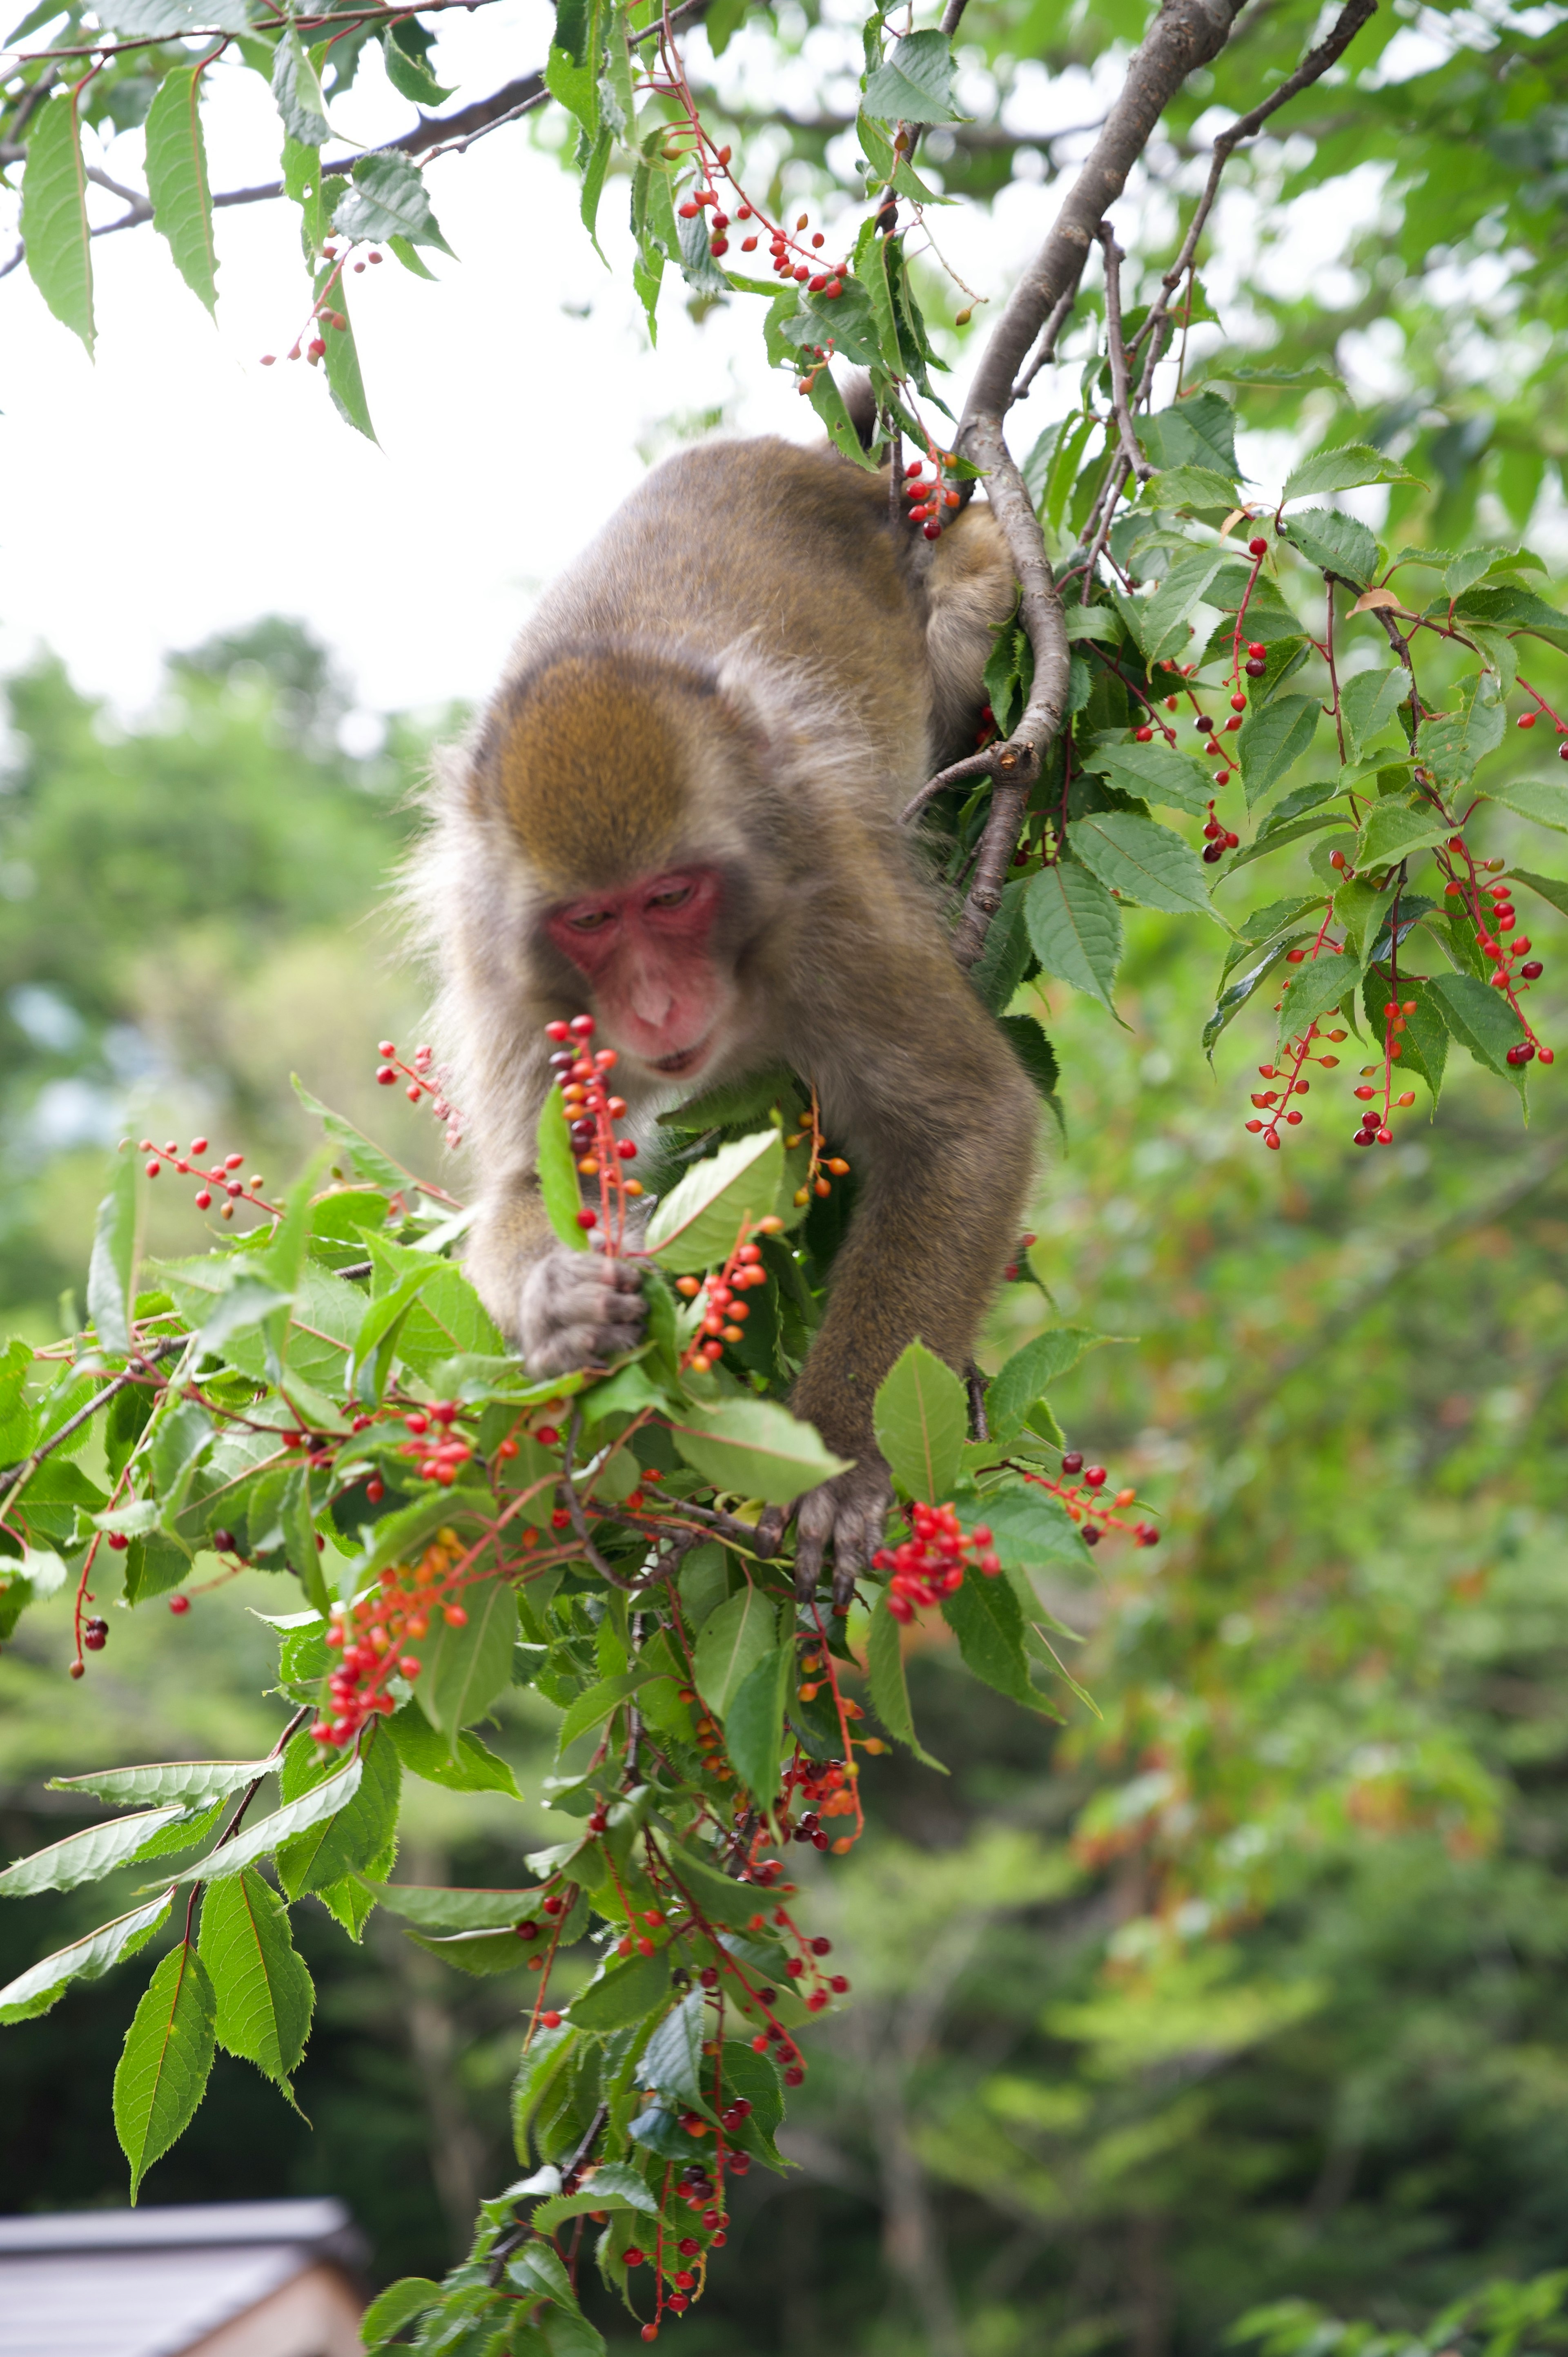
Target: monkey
x=679 y=813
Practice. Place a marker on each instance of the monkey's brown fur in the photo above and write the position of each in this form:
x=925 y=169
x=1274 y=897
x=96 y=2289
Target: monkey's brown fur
x=752 y=669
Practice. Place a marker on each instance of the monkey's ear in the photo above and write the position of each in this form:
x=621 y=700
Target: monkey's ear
x=862 y=408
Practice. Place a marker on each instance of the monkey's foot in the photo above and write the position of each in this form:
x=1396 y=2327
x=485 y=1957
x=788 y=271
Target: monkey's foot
x=579 y=1310
x=848 y=1513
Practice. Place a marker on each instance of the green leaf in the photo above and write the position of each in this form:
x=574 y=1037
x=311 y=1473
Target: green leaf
x=298 y=91
x=465 y=1669
x=296 y=1817
x=367 y=1161
x=1135 y=856
x=1188 y=487
x=262 y=1994
x=733 y=1641
x=1030 y=1371
x=1033 y=1051
x=914 y=82
x=754 y=1723
x=1029 y=1527
x=884 y=1677
x=1551 y=888
x=356 y=1837
x=1480 y=1018
x=922 y=1422
x=612 y=2185
x=397 y=2306
x=408 y=67
x=1333 y=543
x=177 y=184
x=1541 y=800
x=344 y=380
x=474 y=1768
x=558 y=1187
x=111 y=1272
x=54 y=216
x=1074 y=927
x=1345 y=469
x=566 y=2333
x=699 y=1223
x=1455 y=743
x=162 y=2070
x=1273 y=740
x=87 y=1959
x=1163 y=619
x=171 y=20
x=985 y=1617
x=1153 y=772
x=388 y=198
x=754 y=1448
x=1393 y=831
x=1200 y=430
x=718 y=1898
x=593 y=1708
x=673 y=2061
x=630 y=1989
x=1313 y=987
x=87 y=1856
x=434 y=1908
x=1367 y=703
x=186 y=1780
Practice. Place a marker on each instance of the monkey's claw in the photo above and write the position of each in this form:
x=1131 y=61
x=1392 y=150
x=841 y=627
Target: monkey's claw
x=847 y=1514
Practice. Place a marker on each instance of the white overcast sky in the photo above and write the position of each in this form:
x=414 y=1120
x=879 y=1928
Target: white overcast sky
x=175 y=486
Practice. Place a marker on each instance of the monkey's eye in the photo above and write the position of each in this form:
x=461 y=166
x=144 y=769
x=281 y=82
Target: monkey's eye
x=592 y=922
x=675 y=897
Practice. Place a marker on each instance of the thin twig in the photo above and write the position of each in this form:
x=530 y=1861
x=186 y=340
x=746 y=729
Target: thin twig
x=1117 y=350
x=1044 y=352
x=574 y=1506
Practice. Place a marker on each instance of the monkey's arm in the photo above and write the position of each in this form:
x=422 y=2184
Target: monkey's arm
x=941 y=1123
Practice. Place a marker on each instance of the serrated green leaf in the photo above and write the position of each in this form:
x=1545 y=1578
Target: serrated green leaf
x=475 y=1768
x=1313 y=987
x=167 y=2055
x=914 y=82
x=1145 y=861
x=87 y=1959
x=344 y=380
x=1540 y=800
x=630 y=1989
x=1273 y=740
x=262 y=1993
x=296 y=87
x=558 y=1187
x=178 y=182
x=86 y=1856
x=1162 y=619
x=1344 y=469
x=985 y=1617
x=885 y=1677
x=1188 y=487
x=1480 y=1018
x=1551 y=888
x=754 y=1724
x=1200 y=430
x=593 y=1708
x=354 y=1839
x=1154 y=773
x=674 y=2060
x=1454 y=745
x=1031 y=1372
x=397 y=2306
x=1367 y=703
x=1393 y=831
x=296 y=1817
x=700 y=1221
x=922 y=1422
x=828 y=402
x=734 y=1639
x=184 y=1781
x=754 y=1448
x=408 y=69
x=465 y=1669
x=112 y=1270
x=1075 y=928
x=1336 y=543
x=54 y=216
x=388 y=198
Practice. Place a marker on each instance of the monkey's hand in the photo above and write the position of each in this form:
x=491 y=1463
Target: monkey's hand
x=850 y=1511
x=579 y=1310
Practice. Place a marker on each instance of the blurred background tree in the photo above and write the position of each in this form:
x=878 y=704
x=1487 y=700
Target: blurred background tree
x=1244 y=1985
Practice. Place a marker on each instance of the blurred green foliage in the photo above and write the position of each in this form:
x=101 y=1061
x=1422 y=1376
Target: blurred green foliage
x=1248 y=1990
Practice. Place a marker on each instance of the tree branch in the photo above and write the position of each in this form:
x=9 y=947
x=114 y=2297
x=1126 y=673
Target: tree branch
x=140 y=1358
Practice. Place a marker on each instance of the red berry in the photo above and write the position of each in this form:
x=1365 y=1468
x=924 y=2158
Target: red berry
x=1526 y=720
x=1072 y=1461
x=1533 y=970
x=178 y=1604
x=1257 y=650
x=550 y=2021
x=1258 y=547
x=586 y=1219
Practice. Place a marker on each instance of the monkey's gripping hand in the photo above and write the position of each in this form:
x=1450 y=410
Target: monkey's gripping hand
x=850 y=1511
x=579 y=1310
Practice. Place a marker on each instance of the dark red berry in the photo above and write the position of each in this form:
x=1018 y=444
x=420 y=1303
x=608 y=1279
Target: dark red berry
x=1533 y=970
x=1072 y=1461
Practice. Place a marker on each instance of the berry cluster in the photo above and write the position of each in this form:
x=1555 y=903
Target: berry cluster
x=791 y=258
x=1082 y=1492
x=438 y=1451
x=219 y=1179
x=1276 y=1104
x=424 y=1080
x=816 y=1183
x=929 y=498
x=724 y=1313
x=582 y=1073
x=931 y=1563
x=324 y=312
x=370 y=1634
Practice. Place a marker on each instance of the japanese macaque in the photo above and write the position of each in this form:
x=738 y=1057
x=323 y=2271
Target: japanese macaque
x=680 y=814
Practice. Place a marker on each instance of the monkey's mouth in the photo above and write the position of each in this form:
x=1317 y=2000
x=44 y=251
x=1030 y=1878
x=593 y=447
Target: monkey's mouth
x=685 y=1060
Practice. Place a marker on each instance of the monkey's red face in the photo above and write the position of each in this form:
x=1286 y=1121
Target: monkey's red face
x=656 y=986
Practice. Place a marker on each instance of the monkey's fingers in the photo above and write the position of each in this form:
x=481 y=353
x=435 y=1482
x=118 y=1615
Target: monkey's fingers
x=770 y=1530
x=857 y=1535
x=817 y=1516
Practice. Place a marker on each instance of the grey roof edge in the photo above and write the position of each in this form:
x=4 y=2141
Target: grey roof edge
x=320 y=2227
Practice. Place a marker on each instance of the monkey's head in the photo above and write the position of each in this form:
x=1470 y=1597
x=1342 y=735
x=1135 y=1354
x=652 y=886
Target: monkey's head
x=622 y=780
